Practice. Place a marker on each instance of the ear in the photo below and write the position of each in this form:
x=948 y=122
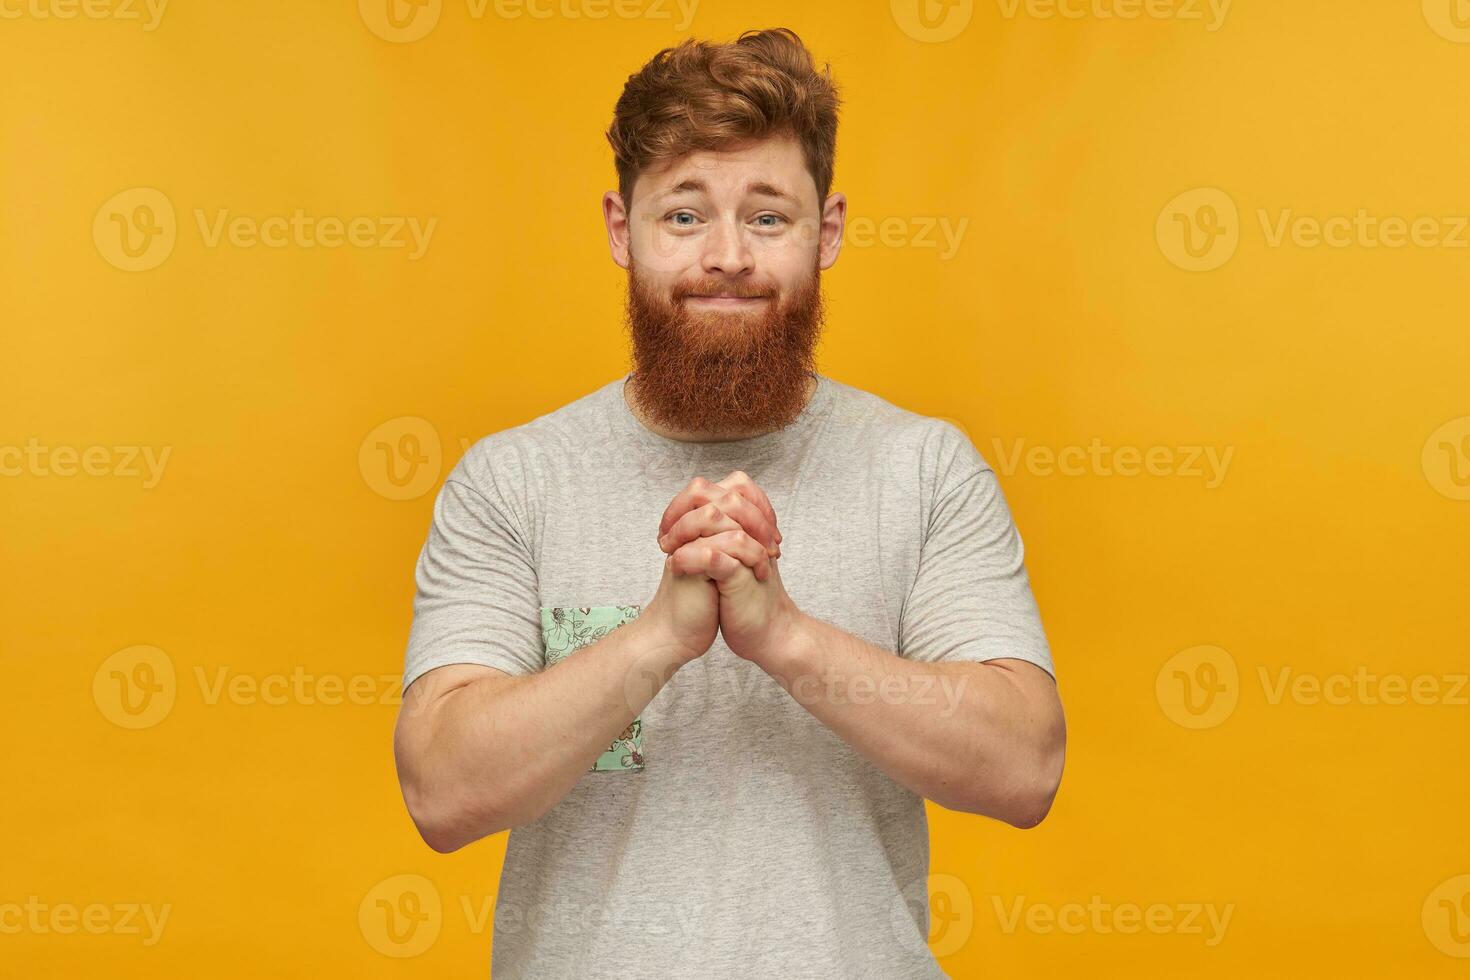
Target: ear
x=834 y=219
x=615 y=216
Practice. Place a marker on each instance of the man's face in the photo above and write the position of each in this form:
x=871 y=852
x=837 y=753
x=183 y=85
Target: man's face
x=723 y=251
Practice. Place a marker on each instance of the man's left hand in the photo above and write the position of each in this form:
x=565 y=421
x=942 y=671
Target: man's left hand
x=758 y=620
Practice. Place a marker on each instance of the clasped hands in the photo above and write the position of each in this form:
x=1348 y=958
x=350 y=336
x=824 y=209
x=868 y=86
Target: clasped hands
x=722 y=573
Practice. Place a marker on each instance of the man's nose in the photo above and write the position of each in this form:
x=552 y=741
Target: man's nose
x=725 y=250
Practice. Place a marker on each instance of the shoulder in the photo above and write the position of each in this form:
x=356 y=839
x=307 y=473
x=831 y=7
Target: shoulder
x=507 y=464
x=940 y=446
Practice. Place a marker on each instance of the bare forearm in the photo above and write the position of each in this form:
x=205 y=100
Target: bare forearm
x=967 y=735
x=499 y=752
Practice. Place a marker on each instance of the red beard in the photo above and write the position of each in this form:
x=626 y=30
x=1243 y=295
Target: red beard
x=721 y=373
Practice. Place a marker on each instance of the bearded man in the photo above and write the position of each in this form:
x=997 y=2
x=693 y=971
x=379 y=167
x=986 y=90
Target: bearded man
x=712 y=755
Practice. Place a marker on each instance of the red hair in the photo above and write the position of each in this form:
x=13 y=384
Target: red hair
x=703 y=96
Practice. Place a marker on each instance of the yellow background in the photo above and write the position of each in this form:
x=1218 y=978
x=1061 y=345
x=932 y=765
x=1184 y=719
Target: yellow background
x=271 y=546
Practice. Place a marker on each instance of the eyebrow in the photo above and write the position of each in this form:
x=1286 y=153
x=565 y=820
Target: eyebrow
x=694 y=185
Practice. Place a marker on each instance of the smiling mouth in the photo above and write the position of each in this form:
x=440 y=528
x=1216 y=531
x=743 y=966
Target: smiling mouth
x=726 y=300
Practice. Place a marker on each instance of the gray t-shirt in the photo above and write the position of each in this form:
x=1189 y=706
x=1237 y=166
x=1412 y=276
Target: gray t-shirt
x=737 y=835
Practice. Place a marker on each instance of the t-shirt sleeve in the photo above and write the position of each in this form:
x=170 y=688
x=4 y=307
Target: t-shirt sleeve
x=972 y=598
x=476 y=599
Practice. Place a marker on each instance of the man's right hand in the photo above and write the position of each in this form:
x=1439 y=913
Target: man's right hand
x=684 y=614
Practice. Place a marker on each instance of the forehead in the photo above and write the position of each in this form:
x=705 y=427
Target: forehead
x=776 y=160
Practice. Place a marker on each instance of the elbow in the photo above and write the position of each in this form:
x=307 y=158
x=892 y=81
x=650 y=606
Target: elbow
x=440 y=835
x=443 y=811
x=1021 y=793
x=1038 y=784
x=1030 y=811
x=447 y=826
x=433 y=820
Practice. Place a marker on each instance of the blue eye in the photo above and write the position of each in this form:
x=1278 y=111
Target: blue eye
x=775 y=218
x=682 y=214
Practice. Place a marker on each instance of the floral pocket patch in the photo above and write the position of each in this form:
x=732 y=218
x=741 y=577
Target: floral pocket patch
x=567 y=629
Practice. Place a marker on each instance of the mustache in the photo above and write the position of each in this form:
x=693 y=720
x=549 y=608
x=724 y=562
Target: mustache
x=718 y=287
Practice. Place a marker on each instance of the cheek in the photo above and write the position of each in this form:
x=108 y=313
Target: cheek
x=788 y=265
x=658 y=250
